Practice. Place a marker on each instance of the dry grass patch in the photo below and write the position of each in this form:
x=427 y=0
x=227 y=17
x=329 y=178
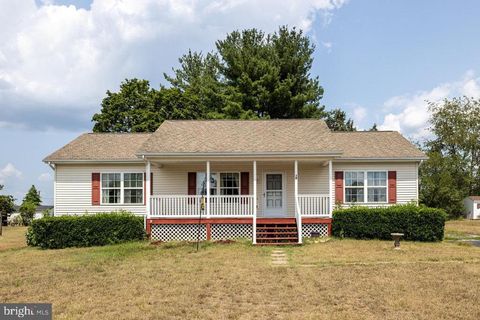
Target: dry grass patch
x=13 y=237
x=340 y=279
x=458 y=228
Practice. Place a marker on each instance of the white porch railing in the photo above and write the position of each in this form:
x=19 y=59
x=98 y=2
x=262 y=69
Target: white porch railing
x=231 y=206
x=314 y=205
x=175 y=206
x=188 y=206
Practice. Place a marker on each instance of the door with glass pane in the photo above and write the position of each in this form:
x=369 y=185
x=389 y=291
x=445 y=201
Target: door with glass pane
x=274 y=195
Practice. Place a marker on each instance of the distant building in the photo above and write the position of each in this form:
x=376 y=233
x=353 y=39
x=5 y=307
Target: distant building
x=472 y=207
x=38 y=211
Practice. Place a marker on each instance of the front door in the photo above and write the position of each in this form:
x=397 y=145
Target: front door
x=274 y=195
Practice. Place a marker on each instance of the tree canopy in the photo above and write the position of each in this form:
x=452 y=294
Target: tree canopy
x=337 y=120
x=32 y=196
x=452 y=171
x=249 y=75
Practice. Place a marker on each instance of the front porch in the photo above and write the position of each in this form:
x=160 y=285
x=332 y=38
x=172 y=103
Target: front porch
x=283 y=199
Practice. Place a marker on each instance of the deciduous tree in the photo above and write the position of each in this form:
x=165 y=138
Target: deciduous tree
x=7 y=206
x=452 y=170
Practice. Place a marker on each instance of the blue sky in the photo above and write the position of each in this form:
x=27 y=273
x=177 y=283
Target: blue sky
x=377 y=59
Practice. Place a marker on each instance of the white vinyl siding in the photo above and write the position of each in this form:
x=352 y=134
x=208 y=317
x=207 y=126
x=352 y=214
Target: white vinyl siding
x=407 y=178
x=73 y=185
x=73 y=189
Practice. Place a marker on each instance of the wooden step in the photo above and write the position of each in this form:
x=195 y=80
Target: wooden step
x=277 y=233
x=277 y=228
x=279 y=244
x=283 y=232
x=279 y=238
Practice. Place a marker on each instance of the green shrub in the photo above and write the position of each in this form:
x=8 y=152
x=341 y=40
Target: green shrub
x=84 y=231
x=27 y=211
x=418 y=223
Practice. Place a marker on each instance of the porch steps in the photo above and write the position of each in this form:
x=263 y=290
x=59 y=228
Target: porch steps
x=277 y=233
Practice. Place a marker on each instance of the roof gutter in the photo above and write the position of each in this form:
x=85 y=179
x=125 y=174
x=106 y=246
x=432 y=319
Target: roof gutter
x=92 y=161
x=384 y=159
x=51 y=165
x=240 y=154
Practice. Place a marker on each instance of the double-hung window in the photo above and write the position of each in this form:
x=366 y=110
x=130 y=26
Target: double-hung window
x=111 y=187
x=354 y=186
x=202 y=183
x=230 y=184
x=377 y=186
x=122 y=188
x=365 y=186
x=133 y=187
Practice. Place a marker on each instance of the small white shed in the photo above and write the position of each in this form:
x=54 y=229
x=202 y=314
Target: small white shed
x=472 y=207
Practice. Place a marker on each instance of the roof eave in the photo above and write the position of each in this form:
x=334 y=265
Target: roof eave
x=71 y=161
x=239 y=154
x=383 y=159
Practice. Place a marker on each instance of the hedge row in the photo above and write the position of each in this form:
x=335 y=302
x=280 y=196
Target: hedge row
x=418 y=223
x=86 y=230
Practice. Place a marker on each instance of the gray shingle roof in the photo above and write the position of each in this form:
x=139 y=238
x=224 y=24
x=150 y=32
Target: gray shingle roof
x=237 y=137
x=375 y=144
x=101 y=146
x=240 y=136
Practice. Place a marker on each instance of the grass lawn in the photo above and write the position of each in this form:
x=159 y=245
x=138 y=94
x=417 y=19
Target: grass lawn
x=338 y=279
x=462 y=229
x=13 y=237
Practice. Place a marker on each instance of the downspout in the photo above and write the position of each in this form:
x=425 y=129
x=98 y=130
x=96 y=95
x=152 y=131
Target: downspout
x=54 y=168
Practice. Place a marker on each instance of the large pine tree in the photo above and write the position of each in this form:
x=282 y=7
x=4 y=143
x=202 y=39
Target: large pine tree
x=250 y=75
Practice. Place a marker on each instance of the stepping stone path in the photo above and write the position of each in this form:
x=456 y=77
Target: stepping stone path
x=279 y=258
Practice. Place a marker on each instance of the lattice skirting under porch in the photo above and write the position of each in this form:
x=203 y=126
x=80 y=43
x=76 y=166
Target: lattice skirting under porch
x=178 y=232
x=231 y=231
x=308 y=228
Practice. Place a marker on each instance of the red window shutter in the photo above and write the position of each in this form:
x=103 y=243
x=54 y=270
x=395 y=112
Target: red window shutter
x=245 y=183
x=392 y=186
x=95 y=189
x=192 y=183
x=339 y=186
x=151 y=183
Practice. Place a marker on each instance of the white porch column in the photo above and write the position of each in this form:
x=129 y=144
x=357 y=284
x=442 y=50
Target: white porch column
x=254 y=223
x=207 y=206
x=297 y=205
x=330 y=189
x=148 y=174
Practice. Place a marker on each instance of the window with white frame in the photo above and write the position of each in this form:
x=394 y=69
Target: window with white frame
x=202 y=183
x=133 y=187
x=230 y=183
x=365 y=186
x=223 y=183
x=377 y=186
x=122 y=188
x=354 y=186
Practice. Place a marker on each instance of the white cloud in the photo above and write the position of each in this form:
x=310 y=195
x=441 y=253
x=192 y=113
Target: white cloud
x=409 y=113
x=327 y=45
x=45 y=177
x=56 y=62
x=9 y=171
x=359 y=114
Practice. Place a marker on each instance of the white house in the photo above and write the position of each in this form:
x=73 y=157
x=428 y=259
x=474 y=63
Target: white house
x=472 y=207
x=274 y=181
